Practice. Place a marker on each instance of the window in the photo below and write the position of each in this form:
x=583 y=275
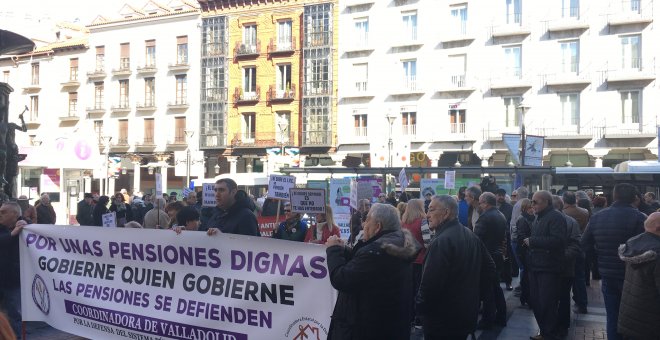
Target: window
x=214 y=32
x=632 y=6
x=456 y=121
x=317 y=71
x=569 y=56
x=249 y=126
x=5 y=76
x=631 y=52
x=458 y=18
x=361 y=36
x=360 y=123
x=98 y=95
x=149 y=91
x=570 y=9
x=98 y=130
x=409 y=123
x=148 y=131
x=100 y=58
x=249 y=82
x=284 y=37
x=361 y=74
x=123 y=93
x=35 y=74
x=181 y=89
x=511 y=111
x=630 y=107
x=34 y=108
x=457 y=65
x=514 y=12
x=283 y=79
x=409 y=20
x=123 y=132
x=73 y=69
x=150 y=53
x=179 y=130
x=283 y=127
x=513 y=61
x=73 y=103
x=570 y=109
x=250 y=38
x=182 y=50
x=318 y=21
x=125 y=56
x=410 y=74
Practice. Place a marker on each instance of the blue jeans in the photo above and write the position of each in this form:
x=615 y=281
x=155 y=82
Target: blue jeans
x=612 y=290
x=579 y=282
x=11 y=305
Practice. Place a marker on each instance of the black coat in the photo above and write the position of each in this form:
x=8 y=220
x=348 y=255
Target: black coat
x=10 y=264
x=97 y=214
x=507 y=210
x=639 y=313
x=606 y=231
x=84 y=214
x=547 y=242
x=491 y=228
x=238 y=219
x=374 y=284
x=457 y=266
x=572 y=250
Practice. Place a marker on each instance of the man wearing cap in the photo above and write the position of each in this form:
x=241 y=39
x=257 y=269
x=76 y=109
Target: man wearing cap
x=85 y=208
x=29 y=212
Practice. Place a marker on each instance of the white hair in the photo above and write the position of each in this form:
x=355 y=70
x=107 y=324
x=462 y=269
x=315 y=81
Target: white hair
x=387 y=215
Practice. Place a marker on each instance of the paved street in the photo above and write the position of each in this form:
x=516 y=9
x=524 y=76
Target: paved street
x=520 y=323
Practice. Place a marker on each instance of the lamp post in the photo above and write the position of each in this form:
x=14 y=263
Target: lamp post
x=106 y=142
x=390 y=119
x=189 y=135
x=523 y=107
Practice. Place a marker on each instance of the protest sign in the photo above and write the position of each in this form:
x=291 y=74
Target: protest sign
x=159 y=185
x=109 y=220
x=340 y=190
x=279 y=185
x=450 y=179
x=208 y=195
x=307 y=201
x=431 y=186
x=353 y=198
x=148 y=284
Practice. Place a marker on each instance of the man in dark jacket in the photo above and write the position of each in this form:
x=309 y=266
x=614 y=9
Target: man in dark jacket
x=640 y=302
x=581 y=217
x=491 y=230
x=373 y=279
x=605 y=232
x=456 y=267
x=546 y=253
x=11 y=225
x=45 y=212
x=85 y=208
x=233 y=214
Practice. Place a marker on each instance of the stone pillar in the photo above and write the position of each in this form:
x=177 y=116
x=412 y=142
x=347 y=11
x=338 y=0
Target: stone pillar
x=232 y=163
x=598 y=162
x=265 y=162
x=338 y=158
x=598 y=154
x=485 y=155
x=434 y=157
x=136 y=177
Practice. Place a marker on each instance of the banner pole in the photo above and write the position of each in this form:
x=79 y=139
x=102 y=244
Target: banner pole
x=277 y=217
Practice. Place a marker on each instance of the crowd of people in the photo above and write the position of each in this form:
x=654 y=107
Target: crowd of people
x=435 y=263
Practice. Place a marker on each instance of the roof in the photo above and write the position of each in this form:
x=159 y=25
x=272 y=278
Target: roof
x=130 y=13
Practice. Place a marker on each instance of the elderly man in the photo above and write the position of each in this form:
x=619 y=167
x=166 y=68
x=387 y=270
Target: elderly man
x=546 y=254
x=521 y=193
x=157 y=217
x=11 y=225
x=581 y=216
x=45 y=212
x=605 y=232
x=649 y=198
x=457 y=264
x=472 y=198
x=640 y=303
x=373 y=279
x=85 y=208
x=232 y=214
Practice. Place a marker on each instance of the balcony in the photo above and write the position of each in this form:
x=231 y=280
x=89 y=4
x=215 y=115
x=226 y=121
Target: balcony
x=630 y=12
x=281 y=47
x=320 y=39
x=179 y=67
x=459 y=33
x=407 y=86
x=354 y=3
x=32 y=121
x=261 y=139
x=317 y=88
x=569 y=21
x=316 y=139
x=247 y=50
x=510 y=80
x=275 y=95
x=632 y=71
x=456 y=83
x=215 y=95
x=453 y=132
x=210 y=139
x=178 y=140
x=147 y=105
x=630 y=129
x=71 y=83
x=124 y=69
x=494 y=131
x=554 y=129
x=95 y=111
x=32 y=88
x=98 y=73
x=179 y=104
x=360 y=89
x=146 y=143
x=359 y=43
x=407 y=38
x=69 y=117
x=121 y=143
x=147 y=69
x=120 y=108
x=214 y=50
x=567 y=77
x=246 y=97
x=512 y=27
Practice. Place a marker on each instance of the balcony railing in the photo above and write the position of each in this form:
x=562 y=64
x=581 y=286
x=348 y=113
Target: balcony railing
x=214 y=50
x=184 y=66
x=209 y=139
x=320 y=39
x=315 y=88
x=275 y=94
x=97 y=73
x=408 y=85
x=121 y=107
x=247 y=50
x=261 y=139
x=631 y=129
x=632 y=69
x=69 y=116
x=456 y=127
x=122 y=140
x=512 y=25
x=147 y=105
x=360 y=131
x=147 y=69
x=181 y=103
x=243 y=97
x=147 y=140
x=124 y=68
x=215 y=95
x=458 y=80
x=361 y=86
x=317 y=138
x=409 y=130
x=278 y=46
x=97 y=108
x=630 y=12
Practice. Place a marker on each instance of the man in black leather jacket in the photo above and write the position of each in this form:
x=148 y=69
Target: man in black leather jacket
x=546 y=254
x=234 y=214
x=456 y=267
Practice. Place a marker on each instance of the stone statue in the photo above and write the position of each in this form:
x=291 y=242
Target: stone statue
x=9 y=156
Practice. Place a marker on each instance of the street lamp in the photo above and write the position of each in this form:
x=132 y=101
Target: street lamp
x=390 y=119
x=523 y=107
x=189 y=134
x=216 y=168
x=568 y=158
x=106 y=141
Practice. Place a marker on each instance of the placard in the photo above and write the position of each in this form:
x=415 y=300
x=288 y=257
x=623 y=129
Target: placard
x=208 y=195
x=159 y=185
x=109 y=220
x=450 y=179
x=279 y=186
x=354 y=194
x=340 y=191
x=433 y=186
x=307 y=201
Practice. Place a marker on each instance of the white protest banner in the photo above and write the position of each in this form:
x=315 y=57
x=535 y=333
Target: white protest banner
x=340 y=190
x=512 y=142
x=432 y=186
x=307 y=201
x=354 y=194
x=279 y=185
x=159 y=185
x=450 y=179
x=150 y=284
x=109 y=220
x=208 y=195
x=534 y=150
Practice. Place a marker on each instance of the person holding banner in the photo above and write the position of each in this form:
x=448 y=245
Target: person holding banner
x=233 y=213
x=293 y=228
x=373 y=279
x=325 y=227
x=11 y=224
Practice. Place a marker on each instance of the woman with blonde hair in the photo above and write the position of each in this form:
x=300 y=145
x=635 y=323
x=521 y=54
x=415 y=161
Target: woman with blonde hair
x=414 y=219
x=325 y=227
x=401 y=207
